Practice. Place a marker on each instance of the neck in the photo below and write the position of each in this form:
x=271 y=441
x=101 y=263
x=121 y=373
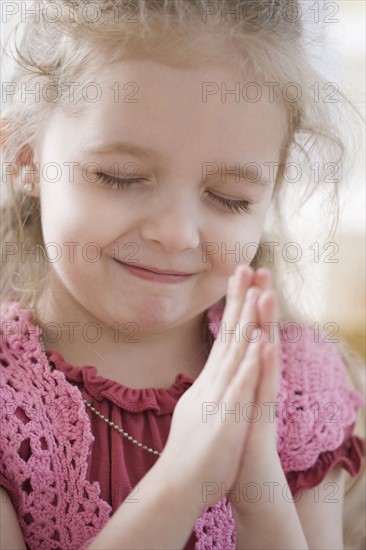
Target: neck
x=137 y=360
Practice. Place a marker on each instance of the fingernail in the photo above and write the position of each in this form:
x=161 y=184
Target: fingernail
x=237 y=272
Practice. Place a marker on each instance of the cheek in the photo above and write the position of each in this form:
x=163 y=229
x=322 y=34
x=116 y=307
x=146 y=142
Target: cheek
x=232 y=243
x=78 y=214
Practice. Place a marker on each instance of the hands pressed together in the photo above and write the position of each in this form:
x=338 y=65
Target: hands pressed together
x=221 y=433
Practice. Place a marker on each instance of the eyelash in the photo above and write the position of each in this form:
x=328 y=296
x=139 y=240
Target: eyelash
x=235 y=206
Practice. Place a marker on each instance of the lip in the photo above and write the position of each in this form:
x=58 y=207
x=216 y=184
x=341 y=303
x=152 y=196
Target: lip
x=150 y=275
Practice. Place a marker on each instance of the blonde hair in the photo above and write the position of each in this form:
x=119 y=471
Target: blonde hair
x=66 y=40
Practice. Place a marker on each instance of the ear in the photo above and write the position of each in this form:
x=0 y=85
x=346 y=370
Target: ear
x=24 y=170
x=27 y=171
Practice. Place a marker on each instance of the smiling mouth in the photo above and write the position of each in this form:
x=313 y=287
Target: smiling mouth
x=149 y=274
x=156 y=270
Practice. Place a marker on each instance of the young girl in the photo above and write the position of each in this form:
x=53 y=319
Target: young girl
x=157 y=390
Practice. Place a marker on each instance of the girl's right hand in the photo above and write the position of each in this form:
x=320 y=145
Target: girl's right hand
x=206 y=439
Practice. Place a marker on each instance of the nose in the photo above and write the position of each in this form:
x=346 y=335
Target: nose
x=172 y=223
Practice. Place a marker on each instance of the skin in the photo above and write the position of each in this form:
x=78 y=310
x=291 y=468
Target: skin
x=171 y=118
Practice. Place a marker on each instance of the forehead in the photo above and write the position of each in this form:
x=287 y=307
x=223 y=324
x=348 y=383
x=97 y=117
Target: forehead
x=201 y=110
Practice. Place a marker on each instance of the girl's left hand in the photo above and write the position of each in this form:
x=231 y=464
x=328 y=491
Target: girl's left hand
x=260 y=456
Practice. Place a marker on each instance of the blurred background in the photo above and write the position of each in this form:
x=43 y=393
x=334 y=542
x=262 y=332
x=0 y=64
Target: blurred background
x=338 y=279
x=345 y=298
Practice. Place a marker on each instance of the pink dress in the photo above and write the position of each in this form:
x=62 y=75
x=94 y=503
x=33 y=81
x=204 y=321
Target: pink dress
x=146 y=414
x=118 y=464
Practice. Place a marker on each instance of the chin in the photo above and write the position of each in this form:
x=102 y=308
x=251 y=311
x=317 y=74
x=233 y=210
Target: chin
x=148 y=312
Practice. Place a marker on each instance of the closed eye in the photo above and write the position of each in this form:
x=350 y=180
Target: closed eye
x=233 y=205
x=121 y=183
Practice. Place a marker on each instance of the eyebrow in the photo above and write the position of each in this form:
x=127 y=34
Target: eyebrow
x=119 y=148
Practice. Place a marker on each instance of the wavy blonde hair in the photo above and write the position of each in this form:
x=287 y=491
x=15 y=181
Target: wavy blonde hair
x=66 y=41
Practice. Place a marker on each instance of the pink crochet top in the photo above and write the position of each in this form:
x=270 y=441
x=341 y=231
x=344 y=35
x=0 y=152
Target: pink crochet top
x=67 y=471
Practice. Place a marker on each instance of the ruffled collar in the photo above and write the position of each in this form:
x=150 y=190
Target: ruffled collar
x=161 y=400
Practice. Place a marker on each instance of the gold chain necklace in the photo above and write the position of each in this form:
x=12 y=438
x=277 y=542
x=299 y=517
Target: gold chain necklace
x=125 y=434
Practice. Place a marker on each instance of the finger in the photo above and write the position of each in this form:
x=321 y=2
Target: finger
x=269 y=381
x=267 y=311
x=244 y=383
x=237 y=289
x=262 y=278
x=236 y=349
x=228 y=329
x=230 y=350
